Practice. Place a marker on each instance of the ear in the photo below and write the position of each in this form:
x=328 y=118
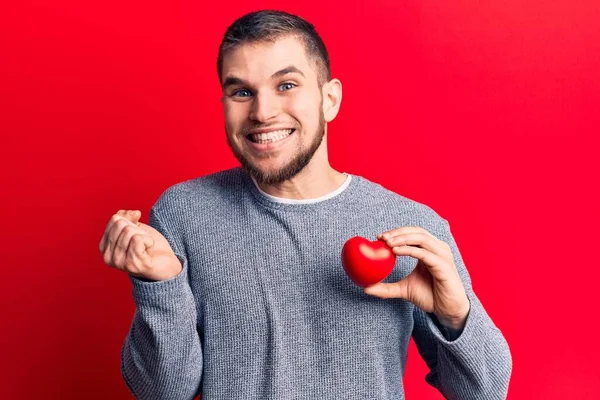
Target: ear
x=332 y=98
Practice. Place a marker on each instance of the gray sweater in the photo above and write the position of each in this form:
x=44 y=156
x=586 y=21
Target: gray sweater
x=264 y=310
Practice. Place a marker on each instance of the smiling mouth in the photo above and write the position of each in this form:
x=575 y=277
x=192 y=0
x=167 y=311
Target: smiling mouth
x=271 y=137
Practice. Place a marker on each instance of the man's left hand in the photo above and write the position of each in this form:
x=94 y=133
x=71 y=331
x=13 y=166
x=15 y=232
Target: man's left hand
x=434 y=285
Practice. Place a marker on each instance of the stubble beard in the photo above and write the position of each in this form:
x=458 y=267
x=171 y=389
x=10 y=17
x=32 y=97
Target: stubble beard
x=292 y=168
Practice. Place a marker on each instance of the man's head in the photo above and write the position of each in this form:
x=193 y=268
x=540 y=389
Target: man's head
x=268 y=26
x=275 y=76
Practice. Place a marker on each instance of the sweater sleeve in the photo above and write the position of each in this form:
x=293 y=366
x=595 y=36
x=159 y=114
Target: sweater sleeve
x=161 y=357
x=475 y=365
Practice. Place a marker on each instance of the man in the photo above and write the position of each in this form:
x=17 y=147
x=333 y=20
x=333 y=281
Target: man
x=237 y=279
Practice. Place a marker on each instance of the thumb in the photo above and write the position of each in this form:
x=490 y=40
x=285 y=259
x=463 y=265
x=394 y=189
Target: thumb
x=131 y=215
x=395 y=290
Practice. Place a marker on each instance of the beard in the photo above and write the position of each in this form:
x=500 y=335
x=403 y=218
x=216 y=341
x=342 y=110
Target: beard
x=291 y=168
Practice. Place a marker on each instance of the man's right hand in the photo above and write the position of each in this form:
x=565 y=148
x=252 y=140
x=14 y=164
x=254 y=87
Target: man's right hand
x=137 y=248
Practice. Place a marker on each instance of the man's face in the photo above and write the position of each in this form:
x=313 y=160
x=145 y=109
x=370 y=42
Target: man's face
x=273 y=108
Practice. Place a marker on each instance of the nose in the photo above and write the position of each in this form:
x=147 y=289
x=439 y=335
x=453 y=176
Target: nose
x=264 y=107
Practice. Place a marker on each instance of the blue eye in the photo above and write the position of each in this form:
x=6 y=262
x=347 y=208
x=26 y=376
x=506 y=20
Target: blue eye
x=241 y=93
x=288 y=86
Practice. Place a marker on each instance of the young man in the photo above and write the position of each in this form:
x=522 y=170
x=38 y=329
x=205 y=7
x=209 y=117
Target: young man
x=237 y=279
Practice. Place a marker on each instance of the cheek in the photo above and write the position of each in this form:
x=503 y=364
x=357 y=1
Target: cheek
x=306 y=109
x=234 y=116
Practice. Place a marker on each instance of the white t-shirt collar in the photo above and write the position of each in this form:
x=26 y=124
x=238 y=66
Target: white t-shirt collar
x=306 y=201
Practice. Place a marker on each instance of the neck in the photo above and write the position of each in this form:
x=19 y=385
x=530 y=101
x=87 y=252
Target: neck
x=317 y=179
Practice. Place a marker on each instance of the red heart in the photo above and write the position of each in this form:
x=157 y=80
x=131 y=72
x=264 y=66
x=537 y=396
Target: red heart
x=367 y=262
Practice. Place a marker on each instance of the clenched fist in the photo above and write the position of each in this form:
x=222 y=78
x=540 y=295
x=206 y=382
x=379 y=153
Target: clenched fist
x=137 y=248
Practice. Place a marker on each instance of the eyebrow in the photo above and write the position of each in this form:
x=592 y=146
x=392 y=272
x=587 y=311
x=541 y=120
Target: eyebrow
x=287 y=70
x=234 y=80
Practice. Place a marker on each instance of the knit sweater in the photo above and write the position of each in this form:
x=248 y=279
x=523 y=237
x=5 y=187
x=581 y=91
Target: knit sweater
x=263 y=309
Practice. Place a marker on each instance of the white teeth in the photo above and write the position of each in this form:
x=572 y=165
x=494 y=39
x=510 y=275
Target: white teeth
x=271 y=136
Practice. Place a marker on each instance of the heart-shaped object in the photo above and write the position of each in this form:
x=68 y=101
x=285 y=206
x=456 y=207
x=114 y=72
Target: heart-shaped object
x=367 y=262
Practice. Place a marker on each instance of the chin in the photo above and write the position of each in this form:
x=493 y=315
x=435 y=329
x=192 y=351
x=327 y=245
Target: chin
x=273 y=174
x=269 y=174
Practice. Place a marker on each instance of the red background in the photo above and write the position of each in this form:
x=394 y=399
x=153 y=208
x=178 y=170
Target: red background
x=488 y=113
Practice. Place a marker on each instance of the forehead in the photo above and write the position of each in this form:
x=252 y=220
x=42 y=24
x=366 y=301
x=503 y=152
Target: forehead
x=258 y=61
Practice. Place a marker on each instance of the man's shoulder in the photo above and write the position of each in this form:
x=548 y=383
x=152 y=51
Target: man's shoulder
x=378 y=195
x=221 y=180
x=207 y=188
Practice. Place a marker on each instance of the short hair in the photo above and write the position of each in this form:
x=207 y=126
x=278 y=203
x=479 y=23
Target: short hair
x=270 y=25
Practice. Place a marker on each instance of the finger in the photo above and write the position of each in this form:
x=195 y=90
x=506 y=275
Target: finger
x=109 y=225
x=137 y=259
x=439 y=268
x=395 y=290
x=122 y=243
x=113 y=230
x=113 y=238
x=399 y=231
x=420 y=239
x=132 y=215
x=104 y=240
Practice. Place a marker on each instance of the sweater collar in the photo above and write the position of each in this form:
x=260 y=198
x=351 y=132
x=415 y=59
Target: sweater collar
x=328 y=196
x=329 y=200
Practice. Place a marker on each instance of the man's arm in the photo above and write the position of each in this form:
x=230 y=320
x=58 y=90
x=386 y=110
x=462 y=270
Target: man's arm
x=474 y=363
x=161 y=357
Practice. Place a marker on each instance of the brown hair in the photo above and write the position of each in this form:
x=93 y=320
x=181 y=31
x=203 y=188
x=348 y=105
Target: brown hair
x=269 y=25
